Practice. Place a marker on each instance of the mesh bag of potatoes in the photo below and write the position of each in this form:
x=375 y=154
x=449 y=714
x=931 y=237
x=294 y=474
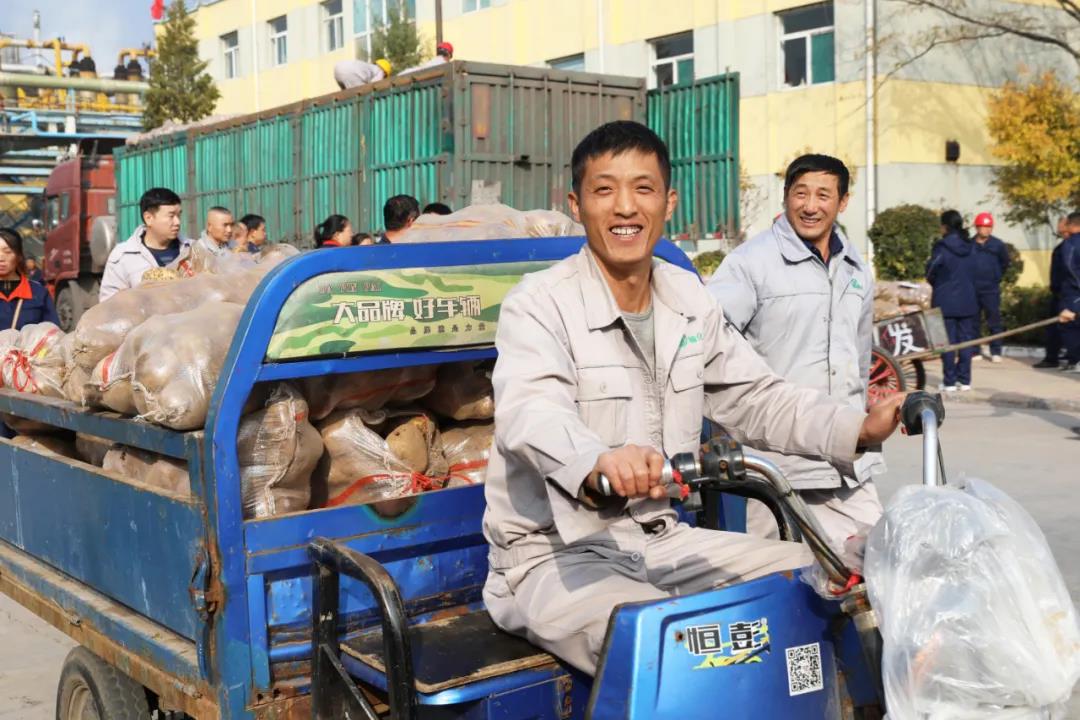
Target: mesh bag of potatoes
x=369 y=390
x=166 y=369
x=148 y=468
x=33 y=360
x=47 y=444
x=278 y=448
x=379 y=455
x=103 y=328
x=467 y=449
x=462 y=392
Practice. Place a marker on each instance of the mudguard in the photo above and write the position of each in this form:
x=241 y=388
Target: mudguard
x=762 y=649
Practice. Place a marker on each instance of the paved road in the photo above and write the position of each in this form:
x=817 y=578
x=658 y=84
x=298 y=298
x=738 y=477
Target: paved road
x=1031 y=454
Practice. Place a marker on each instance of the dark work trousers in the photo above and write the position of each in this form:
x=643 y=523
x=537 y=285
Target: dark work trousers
x=957 y=365
x=990 y=309
x=1053 y=333
x=1070 y=338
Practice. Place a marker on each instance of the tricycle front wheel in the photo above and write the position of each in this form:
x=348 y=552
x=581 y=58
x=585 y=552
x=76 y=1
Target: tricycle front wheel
x=91 y=689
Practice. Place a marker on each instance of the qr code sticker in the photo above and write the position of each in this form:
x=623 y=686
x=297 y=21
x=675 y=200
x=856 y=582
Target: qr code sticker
x=804 y=669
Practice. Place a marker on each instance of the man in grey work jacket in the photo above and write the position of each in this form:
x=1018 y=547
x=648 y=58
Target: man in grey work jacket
x=606 y=360
x=804 y=298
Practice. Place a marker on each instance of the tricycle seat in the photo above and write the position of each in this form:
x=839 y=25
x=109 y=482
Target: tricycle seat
x=453 y=651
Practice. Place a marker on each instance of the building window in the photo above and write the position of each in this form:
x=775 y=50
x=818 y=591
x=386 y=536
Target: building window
x=673 y=60
x=279 y=40
x=230 y=50
x=806 y=44
x=570 y=62
x=370 y=14
x=334 y=22
x=474 y=5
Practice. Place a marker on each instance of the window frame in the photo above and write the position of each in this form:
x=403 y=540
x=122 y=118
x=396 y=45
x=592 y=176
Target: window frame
x=566 y=58
x=369 y=25
x=279 y=41
x=673 y=60
x=479 y=5
x=807 y=37
x=333 y=25
x=230 y=55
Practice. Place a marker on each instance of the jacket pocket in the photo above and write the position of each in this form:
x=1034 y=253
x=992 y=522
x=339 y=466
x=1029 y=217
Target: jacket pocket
x=687 y=399
x=603 y=400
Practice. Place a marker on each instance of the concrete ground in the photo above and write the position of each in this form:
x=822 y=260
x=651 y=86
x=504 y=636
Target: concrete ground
x=1032 y=454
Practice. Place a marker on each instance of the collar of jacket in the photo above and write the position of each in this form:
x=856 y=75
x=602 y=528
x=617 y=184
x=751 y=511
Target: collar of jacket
x=22 y=291
x=794 y=249
x=600 y=307
x=134 y=244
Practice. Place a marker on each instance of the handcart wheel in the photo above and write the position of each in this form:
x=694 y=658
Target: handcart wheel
x=914 y=372
x=886 y=377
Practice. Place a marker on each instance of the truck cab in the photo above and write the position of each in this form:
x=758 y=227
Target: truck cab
x=80 y=226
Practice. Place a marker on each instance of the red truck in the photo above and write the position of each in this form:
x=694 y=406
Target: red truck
x=80 y=226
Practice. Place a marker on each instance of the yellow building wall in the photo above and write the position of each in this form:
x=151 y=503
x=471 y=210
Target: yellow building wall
x=280 y=85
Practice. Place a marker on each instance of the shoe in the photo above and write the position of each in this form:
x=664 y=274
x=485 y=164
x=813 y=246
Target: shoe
x=976 y=357
x=963 y=388
x=1073 y=368
x=995 y=358
x=1044 y=364
x=948 y=388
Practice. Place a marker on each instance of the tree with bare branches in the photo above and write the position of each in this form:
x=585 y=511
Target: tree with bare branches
x=973 y=20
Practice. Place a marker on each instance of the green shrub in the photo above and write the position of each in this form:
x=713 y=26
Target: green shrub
x=1016 y=266
x=903 y=237
x=1021 y=306
x=707 y=262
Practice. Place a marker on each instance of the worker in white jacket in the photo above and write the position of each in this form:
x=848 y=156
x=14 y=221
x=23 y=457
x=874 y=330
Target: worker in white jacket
x=444 y=53
x=354 y=73
x=803 y=296
x=156 y=243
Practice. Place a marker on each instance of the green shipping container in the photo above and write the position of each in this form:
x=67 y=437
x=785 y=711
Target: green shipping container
x=699 y=121
x=455 y=134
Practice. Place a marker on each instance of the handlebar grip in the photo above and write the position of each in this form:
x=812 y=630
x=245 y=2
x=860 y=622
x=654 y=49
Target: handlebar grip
x=911 y=414
x=605 y=489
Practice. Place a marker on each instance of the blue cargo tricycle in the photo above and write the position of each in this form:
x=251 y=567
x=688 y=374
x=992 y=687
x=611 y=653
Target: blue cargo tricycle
x=183 y=608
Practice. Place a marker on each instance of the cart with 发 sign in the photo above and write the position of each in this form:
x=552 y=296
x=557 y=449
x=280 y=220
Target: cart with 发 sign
x=902 y=344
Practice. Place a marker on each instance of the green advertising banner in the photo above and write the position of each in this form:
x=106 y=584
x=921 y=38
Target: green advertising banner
x=383 y=310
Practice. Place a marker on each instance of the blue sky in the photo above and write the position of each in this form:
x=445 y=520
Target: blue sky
x=105 y=25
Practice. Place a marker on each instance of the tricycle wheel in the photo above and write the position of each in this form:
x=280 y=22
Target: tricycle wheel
x=885 y=376
x=914 y=374
x=91 y=689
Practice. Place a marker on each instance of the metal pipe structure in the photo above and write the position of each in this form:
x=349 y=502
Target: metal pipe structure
x=102 y=85
x=57 y=45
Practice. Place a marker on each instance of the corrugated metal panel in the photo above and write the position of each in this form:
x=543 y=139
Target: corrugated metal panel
x=700 y=123
x=139 y=168
x=331 y=164
x=520 y=125
x=403 y=143
x=429 y=135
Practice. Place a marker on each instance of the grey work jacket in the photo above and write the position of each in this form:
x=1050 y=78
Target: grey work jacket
x=571 y=383
x=813 y=325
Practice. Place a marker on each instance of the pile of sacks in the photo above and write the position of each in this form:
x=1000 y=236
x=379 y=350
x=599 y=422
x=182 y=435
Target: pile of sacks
x=900 y=297
x=491 y=222
x=155 y=352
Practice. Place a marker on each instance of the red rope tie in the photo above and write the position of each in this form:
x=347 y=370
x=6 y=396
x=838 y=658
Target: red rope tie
x=852 y=581
x=15 y=362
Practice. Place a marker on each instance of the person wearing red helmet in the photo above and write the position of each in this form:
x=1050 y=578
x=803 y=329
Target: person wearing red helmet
x=991 y=262
x=444 y=53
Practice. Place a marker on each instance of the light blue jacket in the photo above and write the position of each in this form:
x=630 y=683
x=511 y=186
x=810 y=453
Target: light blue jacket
x=813 y=324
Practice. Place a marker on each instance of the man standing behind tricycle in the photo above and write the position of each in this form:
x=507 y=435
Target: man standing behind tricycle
x=607 y=362
x=804 y=297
